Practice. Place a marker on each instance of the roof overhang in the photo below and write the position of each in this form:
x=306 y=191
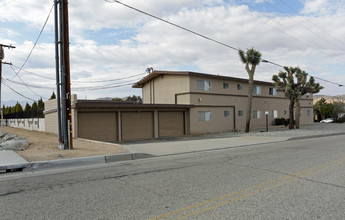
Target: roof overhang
x=157 y=73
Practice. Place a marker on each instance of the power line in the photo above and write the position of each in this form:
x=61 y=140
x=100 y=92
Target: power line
x=27 y=58
x=6 y=3
x=29 y=85
x=26 y=84
x=109 y=80
x=312 y=23
x=101 y=88
x=18 y=92
x=301 y=24
x=195 y=33
x=178 y=26
x=34 y=73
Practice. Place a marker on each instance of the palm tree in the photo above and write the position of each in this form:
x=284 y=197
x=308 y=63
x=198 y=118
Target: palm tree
x=251 y=58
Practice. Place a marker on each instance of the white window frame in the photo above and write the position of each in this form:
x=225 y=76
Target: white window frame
x=204 y=115
x=256 y=90
x=274 y=91
x=239 y=86
x=204 y=85
x=256 y=114
x=274 y=114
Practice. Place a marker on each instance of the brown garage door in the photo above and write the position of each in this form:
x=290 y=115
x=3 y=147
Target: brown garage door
x=171 y=124
x=100 y=126
x=137 y=125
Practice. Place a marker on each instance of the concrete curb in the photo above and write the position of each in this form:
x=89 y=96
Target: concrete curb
x=14 y=167
x=315 y=136
x=73 y=162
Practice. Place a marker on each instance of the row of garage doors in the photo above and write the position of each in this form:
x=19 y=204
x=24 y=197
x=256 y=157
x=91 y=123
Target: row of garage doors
x=105 y=126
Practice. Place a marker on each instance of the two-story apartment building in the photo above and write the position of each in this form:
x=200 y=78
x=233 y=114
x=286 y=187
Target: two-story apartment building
x=176 y=104
x=220 y=102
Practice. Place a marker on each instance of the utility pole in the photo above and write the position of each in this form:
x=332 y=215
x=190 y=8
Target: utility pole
x=64 y=116
x=2 y=56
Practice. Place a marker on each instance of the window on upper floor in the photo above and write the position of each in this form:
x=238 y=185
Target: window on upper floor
x=204 y=116
x=204 y=85
x=256 y=90
x=272 y=91
x=240 y=113
x=308 y=113
x=239 y=86
x=226 y=85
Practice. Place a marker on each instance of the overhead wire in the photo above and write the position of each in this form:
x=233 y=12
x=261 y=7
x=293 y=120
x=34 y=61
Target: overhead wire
x=26 y=84
x=109 y=80
x=100 y=87
x=17 y=92
x=6 y=3
x=310 y=21
x=46 y=77
x=301 y=24
x=297 y=36
x=29 y=85
x=27 y=58
x=194 y=32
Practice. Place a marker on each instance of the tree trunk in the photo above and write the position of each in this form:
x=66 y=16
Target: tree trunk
x=250 y=101
x=298 y=112
x=292 y=103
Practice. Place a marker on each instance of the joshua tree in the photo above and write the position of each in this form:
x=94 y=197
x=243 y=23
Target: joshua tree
x=251 y=58
x=294 y=84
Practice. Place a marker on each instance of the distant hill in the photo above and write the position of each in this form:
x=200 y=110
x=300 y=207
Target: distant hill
x=329 y=98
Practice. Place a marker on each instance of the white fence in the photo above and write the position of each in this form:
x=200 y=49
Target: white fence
x=33 y=124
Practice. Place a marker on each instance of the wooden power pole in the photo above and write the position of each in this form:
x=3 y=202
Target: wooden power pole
x=63 y=63
x=2 y=56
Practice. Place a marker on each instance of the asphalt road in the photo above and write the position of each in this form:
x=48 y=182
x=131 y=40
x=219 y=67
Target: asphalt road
x=302 y=179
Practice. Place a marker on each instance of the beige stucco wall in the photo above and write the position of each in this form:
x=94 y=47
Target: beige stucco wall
x=162 y=89
x=51 y=120
x=218 y=123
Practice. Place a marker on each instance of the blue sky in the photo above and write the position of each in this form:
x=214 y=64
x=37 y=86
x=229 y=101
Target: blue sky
x=110 y=41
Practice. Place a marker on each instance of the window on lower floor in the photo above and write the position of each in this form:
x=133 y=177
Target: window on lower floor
x=274 y=114
x=240 y=113
x=226 y=114
x=205 y=116
x=256 y=114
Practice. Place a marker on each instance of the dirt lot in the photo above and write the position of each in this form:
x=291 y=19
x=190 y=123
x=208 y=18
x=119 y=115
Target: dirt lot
x=44 y=146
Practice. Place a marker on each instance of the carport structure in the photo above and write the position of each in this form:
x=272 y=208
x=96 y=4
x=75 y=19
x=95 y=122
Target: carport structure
x=113 y=121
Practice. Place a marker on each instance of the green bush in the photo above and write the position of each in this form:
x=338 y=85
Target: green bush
x=281 y=121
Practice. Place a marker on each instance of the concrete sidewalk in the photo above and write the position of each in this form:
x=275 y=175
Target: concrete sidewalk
x=10 y=160
x=190 y=146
